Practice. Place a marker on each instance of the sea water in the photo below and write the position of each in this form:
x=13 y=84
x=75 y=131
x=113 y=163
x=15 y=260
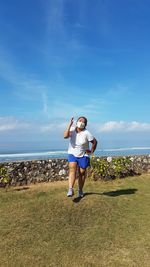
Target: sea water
x=61 y=153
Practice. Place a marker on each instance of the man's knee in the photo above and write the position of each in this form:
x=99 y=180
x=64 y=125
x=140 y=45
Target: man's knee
x=72 y=168
x=82 y=171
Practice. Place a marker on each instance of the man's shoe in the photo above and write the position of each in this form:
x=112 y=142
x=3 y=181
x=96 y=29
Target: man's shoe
x=80 y=193
x=70 y=192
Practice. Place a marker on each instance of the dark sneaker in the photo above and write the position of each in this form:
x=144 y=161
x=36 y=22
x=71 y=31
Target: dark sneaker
x=80 y=193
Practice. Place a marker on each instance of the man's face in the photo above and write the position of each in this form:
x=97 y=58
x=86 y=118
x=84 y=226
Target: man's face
x=82 y=120
x=81 y=123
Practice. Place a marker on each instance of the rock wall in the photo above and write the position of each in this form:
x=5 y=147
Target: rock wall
x=26 y=172
x=36 y=171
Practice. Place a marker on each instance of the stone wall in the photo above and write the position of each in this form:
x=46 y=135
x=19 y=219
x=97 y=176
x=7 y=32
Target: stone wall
x=36 y=171
x=26 y=172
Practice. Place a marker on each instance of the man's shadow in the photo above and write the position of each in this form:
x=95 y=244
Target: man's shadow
x=120 y=192
x=115 y=193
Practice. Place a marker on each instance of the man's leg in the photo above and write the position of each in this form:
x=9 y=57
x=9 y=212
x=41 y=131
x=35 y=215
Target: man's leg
x=83 y=162
x=72 y=177
x=81 y=181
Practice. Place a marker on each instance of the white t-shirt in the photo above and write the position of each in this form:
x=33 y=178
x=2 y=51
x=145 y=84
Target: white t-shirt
x=79 y=142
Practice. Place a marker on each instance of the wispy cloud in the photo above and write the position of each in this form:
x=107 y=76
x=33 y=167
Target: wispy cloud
x=7 y=71
x=118 y=91
x=69 y=33
x=64 y=42
x=77 y=106
x=55 y=16
x=23 y=85
x=98 y=12
x=51 y=102
x=45 y=103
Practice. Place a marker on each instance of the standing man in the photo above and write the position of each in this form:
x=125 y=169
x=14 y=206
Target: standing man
x=79 y=152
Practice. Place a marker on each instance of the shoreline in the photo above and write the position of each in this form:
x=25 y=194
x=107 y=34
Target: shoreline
x=62 y=154
x=65 y=157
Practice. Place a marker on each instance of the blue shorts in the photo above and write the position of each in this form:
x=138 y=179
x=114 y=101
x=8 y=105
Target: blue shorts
x=82 y=162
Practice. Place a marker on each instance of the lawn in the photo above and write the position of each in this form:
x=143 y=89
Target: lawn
x=109 y=227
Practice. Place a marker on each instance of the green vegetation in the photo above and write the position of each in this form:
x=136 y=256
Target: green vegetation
x=4 y=177
x=109 y=227
x=110 y=168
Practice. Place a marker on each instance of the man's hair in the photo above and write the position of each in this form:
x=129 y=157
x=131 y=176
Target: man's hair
x=85 y=119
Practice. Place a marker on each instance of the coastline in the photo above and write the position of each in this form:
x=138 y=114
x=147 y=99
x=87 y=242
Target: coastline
x=56 y=154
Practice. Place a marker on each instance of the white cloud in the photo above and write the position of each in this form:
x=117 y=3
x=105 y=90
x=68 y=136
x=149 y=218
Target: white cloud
x=7 y=127
x=111 y=126
x=108 y=127
x=11 y=123
x=53 y=127
x=122 y=126
x=17 y=129
x=137 y=126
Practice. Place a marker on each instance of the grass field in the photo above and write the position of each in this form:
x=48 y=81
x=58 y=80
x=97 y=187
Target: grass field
x=110 y=226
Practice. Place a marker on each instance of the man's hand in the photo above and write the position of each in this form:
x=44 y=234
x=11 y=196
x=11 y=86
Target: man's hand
x=94 y=145
x=66 y=132
x=71 y=121
x=88 y=152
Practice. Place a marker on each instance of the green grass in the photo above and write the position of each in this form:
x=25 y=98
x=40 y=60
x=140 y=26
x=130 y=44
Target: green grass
x=110 y=226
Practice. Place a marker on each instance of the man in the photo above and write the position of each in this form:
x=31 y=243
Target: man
x=78 y=153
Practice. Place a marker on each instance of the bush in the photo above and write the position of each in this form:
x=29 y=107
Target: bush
x=4 y=177
x=110 y=168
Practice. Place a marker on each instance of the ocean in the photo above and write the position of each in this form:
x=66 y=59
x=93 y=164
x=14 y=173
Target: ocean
x=61 y=153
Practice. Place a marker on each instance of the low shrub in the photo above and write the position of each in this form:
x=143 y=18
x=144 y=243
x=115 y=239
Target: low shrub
x=110 y=168
x=4 y=177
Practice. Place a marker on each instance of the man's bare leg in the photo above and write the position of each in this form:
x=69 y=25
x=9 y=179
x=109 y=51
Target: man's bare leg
x=72 y=177
x=81 y=180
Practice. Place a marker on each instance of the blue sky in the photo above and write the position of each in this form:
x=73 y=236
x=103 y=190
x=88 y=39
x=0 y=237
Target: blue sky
x=62 y=58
